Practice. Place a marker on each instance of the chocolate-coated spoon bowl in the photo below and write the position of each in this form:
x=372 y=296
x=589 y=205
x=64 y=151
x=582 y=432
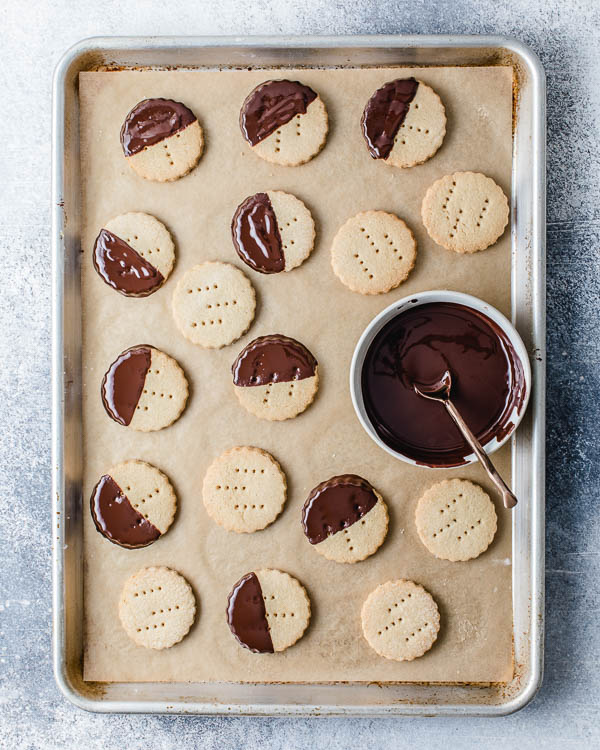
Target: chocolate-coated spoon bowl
x=416 y=339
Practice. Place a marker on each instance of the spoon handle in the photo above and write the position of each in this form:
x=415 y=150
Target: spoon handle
x=508 y=497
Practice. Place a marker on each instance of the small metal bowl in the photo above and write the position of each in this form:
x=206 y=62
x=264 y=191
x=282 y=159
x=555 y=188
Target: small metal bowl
x=415 y=300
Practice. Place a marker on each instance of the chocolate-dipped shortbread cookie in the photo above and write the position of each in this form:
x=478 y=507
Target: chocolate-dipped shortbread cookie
x=273 y=231
x=404 y=123
x=285 y=122
x=162 y=139
x=144 y=389
x=268 y=611
x=345 y=519
x=275 y=377
x=133 y=504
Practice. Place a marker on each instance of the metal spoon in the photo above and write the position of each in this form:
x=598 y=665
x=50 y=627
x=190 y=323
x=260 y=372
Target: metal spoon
x=440 y=391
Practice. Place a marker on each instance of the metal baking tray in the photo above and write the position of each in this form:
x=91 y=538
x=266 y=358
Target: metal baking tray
x=528 y=314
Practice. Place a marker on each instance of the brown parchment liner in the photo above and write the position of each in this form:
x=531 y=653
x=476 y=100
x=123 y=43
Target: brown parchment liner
x=310 y=304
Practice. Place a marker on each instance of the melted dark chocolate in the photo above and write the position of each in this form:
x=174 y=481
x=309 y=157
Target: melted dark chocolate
x=273 y=359
x=123 y=268
x=247 y=616
x=256 y=235
x=123 y=383
x=385 y=113
x=336 y=504
x=270 y=106
x=117 y=519
x=151 y=121
x=418 y=346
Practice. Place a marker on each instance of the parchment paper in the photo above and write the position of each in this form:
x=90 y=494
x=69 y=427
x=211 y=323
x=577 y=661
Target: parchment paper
x=475 y=640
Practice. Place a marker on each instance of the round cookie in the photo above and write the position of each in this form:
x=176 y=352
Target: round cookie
x=345 y=519
x=268 y=611
x=213 y=304
x=400 y=620
x=285 y=122
x=162 y=139
x=144 y=389
x=133 y=504
x=465 y=212
x=275 y=377
x=373 y=252
x=134 y=254
x=273 y=231
x=404 y=123
x=244 y=489
x=456 y=520
x=157 y=607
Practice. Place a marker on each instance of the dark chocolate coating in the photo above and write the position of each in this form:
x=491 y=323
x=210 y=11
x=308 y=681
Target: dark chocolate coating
x=336 y=504
x=256 y=235
x=418 y=346
x=273 y=359
x=116 y=519
x=122 y=268
x=271 y=105
x=151 y=121
x=247 y=617
x=384 y=114
x=123 y=383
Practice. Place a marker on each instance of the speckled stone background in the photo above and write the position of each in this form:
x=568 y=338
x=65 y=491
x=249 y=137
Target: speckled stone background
x=565 y=34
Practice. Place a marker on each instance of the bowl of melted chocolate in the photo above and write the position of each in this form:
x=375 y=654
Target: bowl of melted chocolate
x=415 y=341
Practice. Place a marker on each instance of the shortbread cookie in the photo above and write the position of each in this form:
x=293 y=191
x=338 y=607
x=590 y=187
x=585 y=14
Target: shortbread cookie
x=213 y=304
x=465 y=212
x=275 y=377
x=456 y=520
x=244 y=489
x=162 y=139
x=404 y=123
x=134 y=253
x=345 y=519
x=268 y=611
x=144 y=389
x=373 y=252
x=133 y=504
x=157 y=607
x=273 y=231
x=400 y=620
x=285 y=122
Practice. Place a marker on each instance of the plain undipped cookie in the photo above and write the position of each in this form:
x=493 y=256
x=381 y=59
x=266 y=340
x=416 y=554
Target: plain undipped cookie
x=275 y=377
x=400 y=620
x=373 y=252
x=213 y=304
x=345 y=519
x=465 y=212
x=284 y=122
x=157 y=607
x=273 y=231
x=133 y=504
x=456 y=520
x=161 y=139
x=244 y=489
x=268 y=611
x=134 y=254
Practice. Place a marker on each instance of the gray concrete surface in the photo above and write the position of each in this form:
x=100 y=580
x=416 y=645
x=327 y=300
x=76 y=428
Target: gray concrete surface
x=565 y=33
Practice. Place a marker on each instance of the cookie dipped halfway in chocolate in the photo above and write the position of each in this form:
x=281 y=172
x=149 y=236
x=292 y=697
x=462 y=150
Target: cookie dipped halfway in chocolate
x=133 y=504
x=345 y=518
x=284 y=122
x=275 y=377
x=144 y=389
x=134 y=254
x=273 y=231
x=161 y=139
x=268 y=611
x=404 y=123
